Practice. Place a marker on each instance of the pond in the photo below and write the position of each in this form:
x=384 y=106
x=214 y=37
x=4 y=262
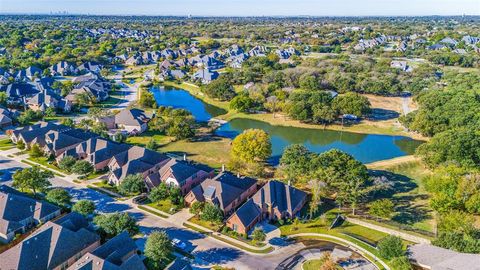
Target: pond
x=166 y=96
x=364 y=147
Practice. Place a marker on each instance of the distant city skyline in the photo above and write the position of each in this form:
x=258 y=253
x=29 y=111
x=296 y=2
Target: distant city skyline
x=245 y=7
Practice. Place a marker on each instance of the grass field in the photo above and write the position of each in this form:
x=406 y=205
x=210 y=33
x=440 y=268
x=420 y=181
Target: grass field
x=411 y=198
x=213 y=151
x=165 y=206
x=6 y=144
x=144 y=138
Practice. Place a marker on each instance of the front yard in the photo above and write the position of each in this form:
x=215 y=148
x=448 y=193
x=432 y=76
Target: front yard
x=214 y=226
x=165 y=205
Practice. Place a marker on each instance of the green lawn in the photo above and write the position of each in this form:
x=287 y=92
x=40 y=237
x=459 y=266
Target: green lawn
x=166 y=206
x=207 y=224
x=46 y=162
x=107 y=186
x=6 y=144
x=144 y=138
x=411 y=199
x=94 y=175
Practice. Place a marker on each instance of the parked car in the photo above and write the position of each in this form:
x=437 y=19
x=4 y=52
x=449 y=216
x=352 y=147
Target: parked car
x=178 y=244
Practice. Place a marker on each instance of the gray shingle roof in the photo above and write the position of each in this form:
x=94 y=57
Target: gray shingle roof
x=438 y=258
x=248 y=212
x=51 y=245
x=283 y=197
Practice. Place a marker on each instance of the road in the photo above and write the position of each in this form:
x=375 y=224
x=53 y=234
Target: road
x=207 y=251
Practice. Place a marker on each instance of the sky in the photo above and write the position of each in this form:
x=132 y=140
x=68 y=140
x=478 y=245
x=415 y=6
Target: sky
x=246 y=7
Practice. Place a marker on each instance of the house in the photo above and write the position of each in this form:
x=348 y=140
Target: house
x=175 y=74
x=63 y=68
x=402 y=65
x=90 y=67
x=436 y=47
x=205 y=75
x=136 y=160
x=181 y=174
x=274 y=201
x=36 y=135
x=18 y=213
x=97 y=151
x=6 y=117
x=469 y=40
x=436 y=258
x=134 y=61
x=95 y=88
x=49 y=99
x=55 y=245
x=29 y=73
x=449 y=42
x=57 y=142
x=225 y=190
x=17 y=92
x=132 y=120
x=209 y=62
x=179 y=264
x=15 y=134
x=118 y=253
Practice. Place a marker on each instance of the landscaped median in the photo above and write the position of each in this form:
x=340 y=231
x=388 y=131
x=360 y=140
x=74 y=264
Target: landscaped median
x=228 y=240
x=367 y=251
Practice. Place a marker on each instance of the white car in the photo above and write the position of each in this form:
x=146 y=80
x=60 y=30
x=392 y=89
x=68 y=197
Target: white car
x=178 y=243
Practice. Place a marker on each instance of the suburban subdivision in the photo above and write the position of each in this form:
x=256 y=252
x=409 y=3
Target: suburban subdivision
x=239 y=142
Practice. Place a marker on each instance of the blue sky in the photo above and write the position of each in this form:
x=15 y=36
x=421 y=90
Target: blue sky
x=246 y=7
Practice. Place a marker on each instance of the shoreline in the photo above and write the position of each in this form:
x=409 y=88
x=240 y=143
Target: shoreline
x=363 y=127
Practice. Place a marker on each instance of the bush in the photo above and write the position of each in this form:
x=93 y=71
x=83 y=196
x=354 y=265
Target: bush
x=132 y=184
x=390 y=247
x=36 y=151
x=82 y=167
x=211 y=213
x=401 y=263
x=259 y=235
x=66 y=163
x=20 y=145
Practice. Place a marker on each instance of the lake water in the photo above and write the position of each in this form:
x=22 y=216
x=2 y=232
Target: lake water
x=364 y=147
x=176 y=98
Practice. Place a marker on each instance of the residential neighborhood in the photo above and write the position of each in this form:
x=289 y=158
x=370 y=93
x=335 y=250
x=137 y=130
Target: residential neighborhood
x=136 y=135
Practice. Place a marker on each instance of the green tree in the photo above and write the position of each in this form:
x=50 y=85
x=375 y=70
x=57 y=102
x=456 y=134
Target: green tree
x=259 y=235
x=84 y=207
x=132 y=184
x=32 y=178
x=36 y=151
x=211 y=213
x=50 y=112
x=152 y=145
x=196 y=208
x=20 y=145
x=390 y=247
x=251 y=146
x=220 y=89
x=383 y=208
x=158 y=193
x=401 y=263
x=352 y=103
x=67 y=122
x=114 y=224
x=295 y=162
x=66 y=163
x=82 y=167
x=3 y=98
x=59 y=196
x=158 y=247
x=242 y=103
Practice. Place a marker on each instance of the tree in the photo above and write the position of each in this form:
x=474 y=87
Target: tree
x=50 y=112
x=258 y=235
x=242 y=103
x=390 y=247
x=328 y=262
x=251 y=146
x=84 y=207
x=220 y=89
x=196 y=208
x=158 y=247
x=352 y=103
x=146 y=100
x=32 y=178
x=295 y=162
x=59 y=196
x=158 y=193
x=67 y=163
x=401 y=263
x=3 y=98
x=180 y=129
x=175 y=195
x=67 y=122
x=36 y=151
x=383 y=208
x=114 y=224
x=132 y=184
x=211 y=213
x=82 y=167
x=20 y=145
x=152 y=145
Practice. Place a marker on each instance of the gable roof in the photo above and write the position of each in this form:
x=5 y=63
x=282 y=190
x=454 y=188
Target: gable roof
x=51 y=245
x=280 y=196
x=137 y=160
x=118 y=253
x=100 y=149
x=181 y=171
x=224 y=188
x=437 y=258
x=132 y=117
x=248 y=212
x=15 y=207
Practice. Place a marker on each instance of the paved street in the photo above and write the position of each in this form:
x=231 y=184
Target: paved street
x=208 y=251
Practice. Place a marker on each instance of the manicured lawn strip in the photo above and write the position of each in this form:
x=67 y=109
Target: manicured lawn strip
x=152 y=212
x=106 y=186
x=6 y=144
x=35 y=164
x=261 y=251
x=207 y=224
x=44 y=161
x=164 y=206
x=103 y=191
x=94 y=175
x=246 y=241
